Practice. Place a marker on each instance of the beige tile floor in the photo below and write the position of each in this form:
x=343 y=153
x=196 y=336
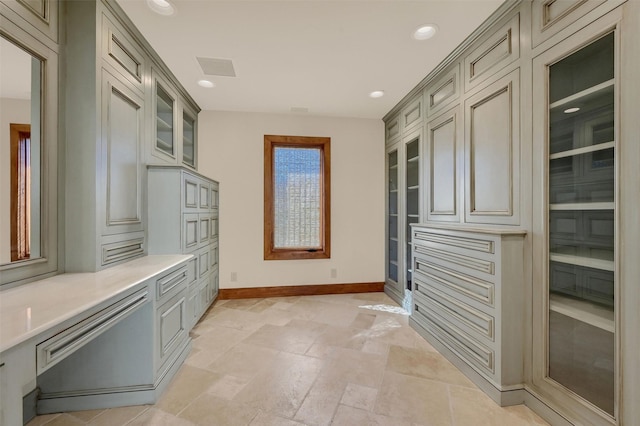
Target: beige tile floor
x=312 y=360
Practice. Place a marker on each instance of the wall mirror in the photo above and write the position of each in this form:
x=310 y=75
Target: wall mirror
x=28 y=156
x=20 y=145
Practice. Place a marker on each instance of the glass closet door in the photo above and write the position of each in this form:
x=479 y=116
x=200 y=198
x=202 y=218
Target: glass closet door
x=581 y=219
x=392 y=216
x=412 y=200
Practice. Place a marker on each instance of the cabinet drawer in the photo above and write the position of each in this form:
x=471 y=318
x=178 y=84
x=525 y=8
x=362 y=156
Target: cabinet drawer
x=191 y=232
x=122 y=53
x=168 y=283
x=457 y=284
x=466 y=347
x=463 y=315
x=443 y=92
x=171 y=325
x=496 y=52
x=60 y=346
x=120 y=251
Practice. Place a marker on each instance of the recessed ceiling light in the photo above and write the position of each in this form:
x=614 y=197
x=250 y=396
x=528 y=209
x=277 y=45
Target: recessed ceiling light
x=206 y=83
x=570 y=110
x=163 y=7
x=376 y=94
x=424 y=32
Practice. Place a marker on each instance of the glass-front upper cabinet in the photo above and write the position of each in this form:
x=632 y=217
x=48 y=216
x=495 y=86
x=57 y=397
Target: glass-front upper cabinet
x=392 y=217
x=188 y=139
x=165 y=107
x=581 y=222
x=412 y=199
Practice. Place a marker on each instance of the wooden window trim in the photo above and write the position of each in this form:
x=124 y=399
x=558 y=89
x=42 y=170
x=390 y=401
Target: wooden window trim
x=324 y=144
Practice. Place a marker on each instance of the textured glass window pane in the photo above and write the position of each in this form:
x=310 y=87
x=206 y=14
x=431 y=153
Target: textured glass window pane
x=297 y=197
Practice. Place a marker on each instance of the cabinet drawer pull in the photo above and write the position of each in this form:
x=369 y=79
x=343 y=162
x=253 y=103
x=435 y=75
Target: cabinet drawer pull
x=167 y=283
x=57 y=348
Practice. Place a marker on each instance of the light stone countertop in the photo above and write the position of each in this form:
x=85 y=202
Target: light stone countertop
x=34 y=308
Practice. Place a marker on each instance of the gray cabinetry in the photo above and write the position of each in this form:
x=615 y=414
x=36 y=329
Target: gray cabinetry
x=105 y=114
x=183 y=218
x=468 y=300
x=124 y=109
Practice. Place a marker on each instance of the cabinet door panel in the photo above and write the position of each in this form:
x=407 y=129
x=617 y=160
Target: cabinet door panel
x=492 y=153
x=172 y=326
x=442 y=153
x=123 y=54
x=548 y=17
x=412 y=114
x=122 y=135
x=392 y=130
x=444 y=91
x=190 y=237
x=497 y=51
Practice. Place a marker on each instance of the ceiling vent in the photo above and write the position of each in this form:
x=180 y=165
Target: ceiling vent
x=216 y=66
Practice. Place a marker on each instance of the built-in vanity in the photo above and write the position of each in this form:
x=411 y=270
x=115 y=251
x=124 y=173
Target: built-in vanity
x=99 y=285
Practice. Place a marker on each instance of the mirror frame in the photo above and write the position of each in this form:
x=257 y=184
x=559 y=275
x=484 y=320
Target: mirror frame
x=15 y=273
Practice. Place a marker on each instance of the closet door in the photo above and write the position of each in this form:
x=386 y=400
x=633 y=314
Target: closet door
x=575 y=223
x=412 y=198
x=393 y=240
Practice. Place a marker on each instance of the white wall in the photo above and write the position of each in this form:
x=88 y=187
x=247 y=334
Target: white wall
x=16 y=111
x=231 y=151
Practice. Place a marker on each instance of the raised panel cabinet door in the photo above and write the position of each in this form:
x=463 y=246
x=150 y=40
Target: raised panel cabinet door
x=444 y=91
x=442 y=154
x=171 y=323
x=122 y=136
x=492 y=153
x=548 y=17
x=205 y=196
x=190 y=236
x=204 y=228
x=496 y=52
x=190 y=194
x=392 y=129
x=41 y=14
x=412 y=115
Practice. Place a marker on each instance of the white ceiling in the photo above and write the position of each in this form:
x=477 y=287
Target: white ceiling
x=322 y=55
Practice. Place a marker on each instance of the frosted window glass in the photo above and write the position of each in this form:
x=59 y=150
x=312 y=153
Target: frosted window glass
x=297 y=197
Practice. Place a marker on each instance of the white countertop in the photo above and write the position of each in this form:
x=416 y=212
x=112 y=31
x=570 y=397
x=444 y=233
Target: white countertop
x=31 y=309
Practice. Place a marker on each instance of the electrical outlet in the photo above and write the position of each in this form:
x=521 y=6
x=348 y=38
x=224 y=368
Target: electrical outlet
x=234 y=277
x=334 y=273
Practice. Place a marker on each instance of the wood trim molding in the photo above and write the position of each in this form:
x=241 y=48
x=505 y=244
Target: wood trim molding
x=299 y=290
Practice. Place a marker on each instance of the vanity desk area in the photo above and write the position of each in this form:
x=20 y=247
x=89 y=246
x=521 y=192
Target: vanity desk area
x=93 y=340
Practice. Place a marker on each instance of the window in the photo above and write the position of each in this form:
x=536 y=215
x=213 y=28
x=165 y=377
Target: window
x=297 y=198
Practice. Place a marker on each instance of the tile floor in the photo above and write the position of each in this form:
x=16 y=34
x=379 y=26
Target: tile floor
x=312 y=360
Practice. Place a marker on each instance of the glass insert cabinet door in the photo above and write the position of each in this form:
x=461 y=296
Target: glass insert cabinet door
x=188 y=139
x=392 y=216
x=412 y=200
x=581 y=212
x=164 y=121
